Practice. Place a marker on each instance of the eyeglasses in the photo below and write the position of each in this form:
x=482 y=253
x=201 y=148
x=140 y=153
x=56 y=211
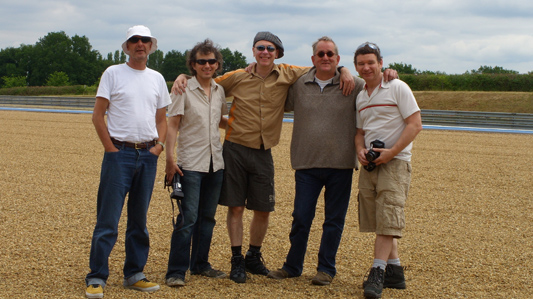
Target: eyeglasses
x=204 y=61
x=371 y=45
x=321 y=54
x=144 y=39
x=261 y=48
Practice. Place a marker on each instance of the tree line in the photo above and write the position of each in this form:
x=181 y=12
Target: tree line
x=485 y=78
x=57 y=60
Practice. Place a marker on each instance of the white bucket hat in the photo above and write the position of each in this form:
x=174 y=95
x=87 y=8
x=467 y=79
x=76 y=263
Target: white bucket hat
x=139 y=30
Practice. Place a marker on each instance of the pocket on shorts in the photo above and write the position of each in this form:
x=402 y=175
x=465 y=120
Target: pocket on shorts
x=393 y=216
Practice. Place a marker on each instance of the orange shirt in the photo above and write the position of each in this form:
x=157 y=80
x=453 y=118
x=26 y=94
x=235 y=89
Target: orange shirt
x=256 y=114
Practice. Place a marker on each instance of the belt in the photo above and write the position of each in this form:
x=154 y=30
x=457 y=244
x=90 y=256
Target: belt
x=138 y=145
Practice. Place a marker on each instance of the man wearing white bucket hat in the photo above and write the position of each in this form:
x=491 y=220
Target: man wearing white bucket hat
x=135 y=99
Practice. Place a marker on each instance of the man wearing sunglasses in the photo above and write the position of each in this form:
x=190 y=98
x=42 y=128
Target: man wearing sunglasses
x=323 y=156
x=254 y=127
x=386 y=111
x=197 y=114
x=135 y=100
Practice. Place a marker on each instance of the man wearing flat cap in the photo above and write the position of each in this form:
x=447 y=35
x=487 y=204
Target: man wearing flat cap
x=135 y=99
x=254 y=127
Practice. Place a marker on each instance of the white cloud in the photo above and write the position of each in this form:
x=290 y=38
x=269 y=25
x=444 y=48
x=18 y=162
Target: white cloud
x=452 y=36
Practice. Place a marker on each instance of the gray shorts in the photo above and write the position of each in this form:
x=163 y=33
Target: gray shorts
x=248 y=178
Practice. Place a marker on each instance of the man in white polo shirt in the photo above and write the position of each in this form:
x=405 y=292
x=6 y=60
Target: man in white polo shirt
x=135 y=99
x=388 y=120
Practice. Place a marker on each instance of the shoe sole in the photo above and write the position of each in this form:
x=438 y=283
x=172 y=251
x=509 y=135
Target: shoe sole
x=239 y=280
x=176 y=284
x=257 y=273
x=145 y=290
x=91 y=296
x=276 y=277
x=372 y=295
x=400 y=286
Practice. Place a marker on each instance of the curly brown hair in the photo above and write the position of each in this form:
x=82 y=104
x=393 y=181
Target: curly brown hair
x=205 y=47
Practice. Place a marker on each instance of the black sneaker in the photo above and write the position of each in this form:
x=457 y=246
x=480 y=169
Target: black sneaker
x=237 y=274
x=394 y=277
x=255 y=263
x=374 y=283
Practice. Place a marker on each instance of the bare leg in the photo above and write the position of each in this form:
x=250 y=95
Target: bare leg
x=394 y=252
x=258 y=227
x=383 y=247
x=235 y=226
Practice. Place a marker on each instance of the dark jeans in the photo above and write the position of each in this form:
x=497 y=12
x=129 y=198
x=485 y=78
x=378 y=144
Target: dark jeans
x=309 y=184
x=129 y=171
x=201 y=194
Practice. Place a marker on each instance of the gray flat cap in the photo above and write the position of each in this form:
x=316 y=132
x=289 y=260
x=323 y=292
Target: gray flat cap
x=265 y=35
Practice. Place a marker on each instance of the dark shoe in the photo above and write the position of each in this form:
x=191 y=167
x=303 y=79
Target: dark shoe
x=278 y=274
x=255 y=263
x=237 y=274
x=321 y=279
x=394 y=277
x=211 y=273
x=374 y=283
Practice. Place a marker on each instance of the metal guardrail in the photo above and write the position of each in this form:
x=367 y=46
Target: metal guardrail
x=429 y=117
x=478 y=119
x=79 y=102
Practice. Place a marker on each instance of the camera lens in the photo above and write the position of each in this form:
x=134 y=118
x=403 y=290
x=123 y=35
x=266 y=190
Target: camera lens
x=371 y=155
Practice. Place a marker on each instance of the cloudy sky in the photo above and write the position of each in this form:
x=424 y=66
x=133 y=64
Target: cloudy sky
x=451 y=36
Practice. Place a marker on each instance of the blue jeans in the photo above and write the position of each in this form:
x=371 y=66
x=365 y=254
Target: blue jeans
x=309 y=184
x=127 y=171
x=201 y=192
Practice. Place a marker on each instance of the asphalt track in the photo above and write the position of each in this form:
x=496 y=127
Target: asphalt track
x=426 y=127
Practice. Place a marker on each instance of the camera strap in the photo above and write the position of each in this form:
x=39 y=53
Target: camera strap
x=175 y=223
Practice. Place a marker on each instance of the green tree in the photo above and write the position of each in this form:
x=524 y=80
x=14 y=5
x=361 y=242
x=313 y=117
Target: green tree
x=57 y=79
x=485 y=69
x=14 y=81
x=87 y=61
x=155 y=60
x=116 y=57
x=403 y=68
x=232 y=61
x=56 y=52
x=173 y=65
x=14 y=61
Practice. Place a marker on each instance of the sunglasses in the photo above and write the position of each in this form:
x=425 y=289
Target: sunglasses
x=322 y=53
x=371 y=45
x=144 y=39
x=204 y=61
x=261 y=48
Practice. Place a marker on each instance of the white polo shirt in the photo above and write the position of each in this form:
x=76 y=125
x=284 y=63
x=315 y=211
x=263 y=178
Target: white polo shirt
x=381 y=115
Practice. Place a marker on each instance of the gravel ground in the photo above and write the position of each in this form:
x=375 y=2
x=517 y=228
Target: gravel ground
x=469 y=220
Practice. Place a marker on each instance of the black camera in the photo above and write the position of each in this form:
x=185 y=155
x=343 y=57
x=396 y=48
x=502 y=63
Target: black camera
x=177 y=192
x=372 y=155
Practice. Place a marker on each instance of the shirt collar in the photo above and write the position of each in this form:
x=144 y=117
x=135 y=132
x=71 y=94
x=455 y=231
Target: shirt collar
x=383 y=84
x=310 y=76
x=193 y=84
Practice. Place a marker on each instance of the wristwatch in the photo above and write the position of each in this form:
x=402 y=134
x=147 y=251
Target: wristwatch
x=161 y=143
